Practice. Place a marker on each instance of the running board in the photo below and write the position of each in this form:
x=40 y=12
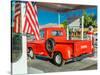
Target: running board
x=79 y=58
x=82 y=57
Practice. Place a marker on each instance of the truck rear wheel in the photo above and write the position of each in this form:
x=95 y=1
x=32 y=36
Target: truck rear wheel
x=57 y=59
x=30 y=53
x=50 y=43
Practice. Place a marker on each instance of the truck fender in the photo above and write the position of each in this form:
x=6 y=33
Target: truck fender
x=66 y=53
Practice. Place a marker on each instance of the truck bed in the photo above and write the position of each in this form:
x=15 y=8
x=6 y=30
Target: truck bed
x=78 y=46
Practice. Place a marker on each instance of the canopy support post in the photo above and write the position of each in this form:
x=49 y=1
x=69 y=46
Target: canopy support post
x=58 y=18
x=82 y=27
x=20 y=66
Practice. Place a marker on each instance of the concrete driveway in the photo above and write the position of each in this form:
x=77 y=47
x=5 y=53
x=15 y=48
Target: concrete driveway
x=45 y=66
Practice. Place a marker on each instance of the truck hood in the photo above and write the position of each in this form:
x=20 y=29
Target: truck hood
x=35 y=42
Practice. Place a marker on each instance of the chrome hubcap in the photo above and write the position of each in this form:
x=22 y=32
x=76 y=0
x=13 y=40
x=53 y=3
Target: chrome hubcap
x=58 y=59
x=30 y=53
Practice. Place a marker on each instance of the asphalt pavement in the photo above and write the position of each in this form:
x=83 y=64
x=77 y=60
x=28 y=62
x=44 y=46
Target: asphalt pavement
x=45 y=66
x=93 y=67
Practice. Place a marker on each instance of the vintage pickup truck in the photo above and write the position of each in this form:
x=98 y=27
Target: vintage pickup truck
x=53 y=44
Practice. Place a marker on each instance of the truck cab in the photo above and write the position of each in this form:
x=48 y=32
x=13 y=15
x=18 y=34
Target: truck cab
x=57 y=33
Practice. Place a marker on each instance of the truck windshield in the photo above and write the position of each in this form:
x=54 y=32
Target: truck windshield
x=42 y=34
x=31 y=37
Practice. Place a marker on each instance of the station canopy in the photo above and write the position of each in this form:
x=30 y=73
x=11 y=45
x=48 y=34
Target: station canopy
x=59 y=7
x=62 y=7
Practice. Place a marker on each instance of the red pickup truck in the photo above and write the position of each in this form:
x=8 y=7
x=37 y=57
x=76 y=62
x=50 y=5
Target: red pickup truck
x=53 y=44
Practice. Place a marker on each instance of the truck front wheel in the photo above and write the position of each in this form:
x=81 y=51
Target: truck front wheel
x=57 y=58
x=30 y=53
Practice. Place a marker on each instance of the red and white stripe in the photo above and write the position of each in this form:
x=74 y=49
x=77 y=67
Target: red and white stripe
x=31 y=22
x=17 y=17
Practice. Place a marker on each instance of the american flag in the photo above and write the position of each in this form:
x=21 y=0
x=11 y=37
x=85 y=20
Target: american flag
x=17 y=17
x=31 y=25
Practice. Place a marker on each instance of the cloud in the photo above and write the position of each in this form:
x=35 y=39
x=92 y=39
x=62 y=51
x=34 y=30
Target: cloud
x=49 y=25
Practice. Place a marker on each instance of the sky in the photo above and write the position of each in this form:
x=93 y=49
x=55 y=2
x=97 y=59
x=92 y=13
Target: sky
x=47 y=17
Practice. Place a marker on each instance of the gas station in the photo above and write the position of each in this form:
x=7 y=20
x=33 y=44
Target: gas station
x=20 y=66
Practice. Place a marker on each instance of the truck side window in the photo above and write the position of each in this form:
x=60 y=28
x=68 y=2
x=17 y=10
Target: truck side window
x=56 y=33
